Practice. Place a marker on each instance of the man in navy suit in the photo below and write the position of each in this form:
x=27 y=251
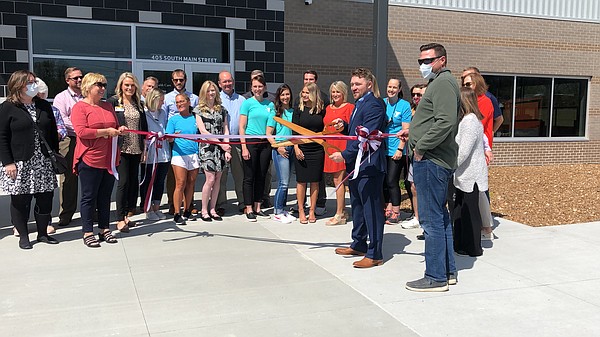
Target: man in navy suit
x=366 y=186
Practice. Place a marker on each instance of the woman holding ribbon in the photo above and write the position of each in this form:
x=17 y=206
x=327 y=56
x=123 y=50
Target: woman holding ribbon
x=26 y=171
x=211 y=119
x=130 y=113
x=282 y=155
x=256 y=153
x=96 y=156
x=310 y=157
x=339 y=108
x=185 y=162
x=158 y=156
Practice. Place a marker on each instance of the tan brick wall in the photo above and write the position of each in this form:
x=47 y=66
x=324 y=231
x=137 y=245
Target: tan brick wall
x=327 y=36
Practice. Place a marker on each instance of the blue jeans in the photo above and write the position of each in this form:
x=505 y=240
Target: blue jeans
x=283 y=168
x=96 y=189
x=431 y=181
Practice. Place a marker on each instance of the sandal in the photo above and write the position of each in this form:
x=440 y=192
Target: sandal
x=107 y=237
x=130 y=223
x=393 y=219
x=336 y=220
x=91 y=241
x=302 y=217
x=311 y=217
x=124 y=228
x=206 y=217
x=215 y=216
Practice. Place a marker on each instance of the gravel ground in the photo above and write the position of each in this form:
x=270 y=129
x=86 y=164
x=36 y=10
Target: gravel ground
x=544 y=195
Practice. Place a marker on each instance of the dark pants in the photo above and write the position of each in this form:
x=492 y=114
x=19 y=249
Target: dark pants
x=127 y=190
x=96 y=189
x=158 y=187
x=322 y=198
x=391 y=188
x=20 y=208
x=467 y=223
x=255 y=170
x=367 y=215
x=69 y=182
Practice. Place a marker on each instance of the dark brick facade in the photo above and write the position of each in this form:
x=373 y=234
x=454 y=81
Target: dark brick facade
x=261 y=21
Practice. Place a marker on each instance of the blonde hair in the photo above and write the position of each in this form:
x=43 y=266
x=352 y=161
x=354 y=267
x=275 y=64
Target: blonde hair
x=89 y=80
x=119 y=92
x=152 y=99
x=341 y=87
x=314 y=96
x=17 y=81
x=202 y=100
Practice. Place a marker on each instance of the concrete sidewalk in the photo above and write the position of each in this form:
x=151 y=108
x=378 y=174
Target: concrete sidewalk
x=236 y=278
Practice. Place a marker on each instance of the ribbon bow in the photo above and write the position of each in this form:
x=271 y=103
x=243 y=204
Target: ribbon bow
x=368 y=141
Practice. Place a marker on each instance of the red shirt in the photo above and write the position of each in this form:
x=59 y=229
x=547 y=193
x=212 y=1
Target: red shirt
x=487 y=110
x=87 y=119
x=331 y=114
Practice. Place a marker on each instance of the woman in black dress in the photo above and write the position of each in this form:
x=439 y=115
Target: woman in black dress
x=310 y=157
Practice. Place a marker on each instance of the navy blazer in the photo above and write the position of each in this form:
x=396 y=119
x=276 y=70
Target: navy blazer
x=370 y=113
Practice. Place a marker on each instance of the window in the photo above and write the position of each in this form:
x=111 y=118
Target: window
x=540 y=107
x=111 y=48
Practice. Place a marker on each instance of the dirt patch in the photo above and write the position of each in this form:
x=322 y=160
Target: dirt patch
x=544 y=195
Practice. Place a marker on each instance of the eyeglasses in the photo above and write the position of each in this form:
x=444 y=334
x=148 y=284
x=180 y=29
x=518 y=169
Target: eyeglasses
x=428 y=60
x=100 y=85
x=179 y=80
x=76 y=78
x=417 y=94
x=467 y=84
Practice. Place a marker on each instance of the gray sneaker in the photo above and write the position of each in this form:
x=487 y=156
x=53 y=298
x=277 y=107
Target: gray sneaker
x=427 y=285
x=452 y=278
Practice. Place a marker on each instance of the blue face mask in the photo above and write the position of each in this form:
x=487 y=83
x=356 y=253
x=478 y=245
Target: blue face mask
x=426 y=71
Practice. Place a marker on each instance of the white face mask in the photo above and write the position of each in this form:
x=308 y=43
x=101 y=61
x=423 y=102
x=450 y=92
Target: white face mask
x=426 y=71
x=32 y=90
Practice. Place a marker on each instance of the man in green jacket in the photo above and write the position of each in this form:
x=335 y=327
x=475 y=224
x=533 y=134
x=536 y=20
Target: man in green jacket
x=434 y=150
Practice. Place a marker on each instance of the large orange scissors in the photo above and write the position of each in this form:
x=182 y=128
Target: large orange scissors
x=306 y=132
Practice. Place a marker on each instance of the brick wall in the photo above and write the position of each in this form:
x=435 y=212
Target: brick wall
x=251 y=20
x=335 y=36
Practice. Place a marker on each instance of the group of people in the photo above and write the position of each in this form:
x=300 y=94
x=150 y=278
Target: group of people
x=443 y=143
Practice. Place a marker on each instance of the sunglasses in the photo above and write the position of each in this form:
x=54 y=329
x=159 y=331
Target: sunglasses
x=76 y=78
x=100 y=85
x=179 y=80
x=428 y=60
x=417 y=94
x=467 y=84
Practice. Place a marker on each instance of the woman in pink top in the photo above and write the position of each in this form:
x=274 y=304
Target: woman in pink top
x=96 y=156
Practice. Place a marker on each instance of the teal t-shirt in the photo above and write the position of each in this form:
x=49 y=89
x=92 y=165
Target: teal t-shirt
x=183 y=125
x=280 y=129
x=258 y=114
x=396 y=114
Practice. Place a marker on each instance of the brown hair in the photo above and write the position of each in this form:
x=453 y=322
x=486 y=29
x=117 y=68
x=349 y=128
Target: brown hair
x=17 y=81
x=480 y=86
x=468 y=103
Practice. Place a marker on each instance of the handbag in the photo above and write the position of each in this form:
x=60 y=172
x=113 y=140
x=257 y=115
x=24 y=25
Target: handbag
x=59 y=162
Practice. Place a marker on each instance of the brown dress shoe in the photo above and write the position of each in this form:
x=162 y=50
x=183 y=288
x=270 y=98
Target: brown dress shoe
x=367 y=263
x=348 y=251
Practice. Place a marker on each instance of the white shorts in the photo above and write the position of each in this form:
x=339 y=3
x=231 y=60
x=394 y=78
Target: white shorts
x=189 y=162
x=410 y=173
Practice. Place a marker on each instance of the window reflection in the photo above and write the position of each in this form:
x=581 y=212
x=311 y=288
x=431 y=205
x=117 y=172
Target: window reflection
x=52 y=72
x=569 y=109
x=502 y=87
x=80 y=39
x=532 y=107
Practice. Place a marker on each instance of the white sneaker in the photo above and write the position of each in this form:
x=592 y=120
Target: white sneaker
x=410 y=224
x=160 y=215
x=487 y=236
x=152 y=216
x=320 y=211
x=289 y=216
x=281 y=218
